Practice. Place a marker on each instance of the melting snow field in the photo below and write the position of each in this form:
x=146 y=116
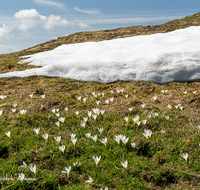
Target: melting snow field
x=161 y=58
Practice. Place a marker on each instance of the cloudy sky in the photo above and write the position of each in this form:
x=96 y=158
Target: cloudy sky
x=25 y=23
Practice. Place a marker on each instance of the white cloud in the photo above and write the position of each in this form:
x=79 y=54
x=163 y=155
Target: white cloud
x=53 y=21
x=49 y=3
x=94 y=11
x=30 y=18
x=82 y=25
x=5 y=32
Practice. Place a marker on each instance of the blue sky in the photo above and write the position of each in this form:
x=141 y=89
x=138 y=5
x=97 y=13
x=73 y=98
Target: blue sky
x=25 y=23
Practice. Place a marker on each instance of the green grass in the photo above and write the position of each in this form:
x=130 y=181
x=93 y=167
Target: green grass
x=155 y=162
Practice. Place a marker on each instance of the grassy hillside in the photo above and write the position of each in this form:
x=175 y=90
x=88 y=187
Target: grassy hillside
x=170 y=111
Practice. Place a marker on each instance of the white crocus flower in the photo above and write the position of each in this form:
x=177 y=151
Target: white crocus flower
x=126 y=119
x=93 y=93
x=83 y=124
x=97 y=102
x=62 y=119
x=58 y=139
x=154 y=97
x=74 y=140
x=62 y=148
x=185 y=156
x=24 y=165
x=185 y=92
x=167 y=117
x=198 y=126
x=96 y=111
x=138 y=123
x=90 y=180
x=14 y=105
x=8 y=134
x=102 y=112
x=126 y=96
x=85 y=119
x=13 y=110
x=94 y=117
x=144 y=121
x=133 y=145
x=57 y=114
x=130 y=109
x=31 y=95
x=45 y=136
x=147 y=133
x=88 y=135
x=104 y=189
x=94 y=138
x=23 y=112
x=79 y=98
x=57 y=123
x=181 y=107
x=162 y=131
x=33 y=169
x=176 y=106
x=89 y=113
x=125 y=164
x=169 y=106
x=1 y=112
x=42 y=96
x=111 y=99
x=164 y=91
x=96 y=159
x=77 y=112
x=104 y=141
x=136 y=118
x=100 y=129
x=155 y=114
x=107 y=101
x=67 y=170
x=149 y=116
x=118 y=91
x=111 y=91
x=37 y=130
x=3 y=97
x=21 y=177
x=72 y=135
x=77 y=164
x=53 y=110
x=84 y=99
x=143 y=105
x=66 y=109
x=117 y=139
x=103 y=94
x=124 y=139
